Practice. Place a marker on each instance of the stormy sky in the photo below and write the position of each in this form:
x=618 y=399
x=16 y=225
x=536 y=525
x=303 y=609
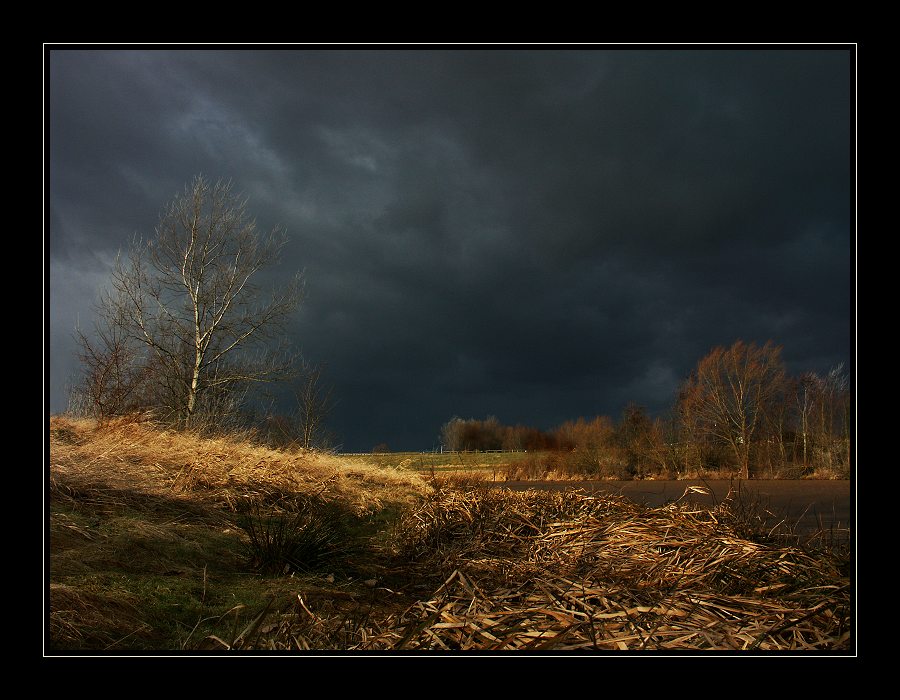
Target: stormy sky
x=537 y=234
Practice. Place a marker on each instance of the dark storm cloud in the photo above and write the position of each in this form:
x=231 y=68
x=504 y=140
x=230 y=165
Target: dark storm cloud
x=534 y=234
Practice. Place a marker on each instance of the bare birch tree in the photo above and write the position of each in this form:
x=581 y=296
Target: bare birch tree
x=808 y=391
x=188 y=298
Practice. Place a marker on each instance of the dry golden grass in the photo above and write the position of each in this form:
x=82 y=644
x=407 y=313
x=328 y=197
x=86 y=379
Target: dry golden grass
x=145 y=536
x=137 y=458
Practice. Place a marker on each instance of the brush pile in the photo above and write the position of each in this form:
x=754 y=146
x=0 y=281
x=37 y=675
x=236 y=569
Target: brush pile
x=561 y=571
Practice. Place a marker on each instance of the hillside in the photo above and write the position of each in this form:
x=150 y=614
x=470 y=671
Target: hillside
x=145 y=536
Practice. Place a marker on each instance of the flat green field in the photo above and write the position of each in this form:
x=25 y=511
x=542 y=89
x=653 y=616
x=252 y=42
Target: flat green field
x=448 y=461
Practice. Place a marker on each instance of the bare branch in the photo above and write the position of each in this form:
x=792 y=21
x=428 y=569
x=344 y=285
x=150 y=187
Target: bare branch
x=188 y=299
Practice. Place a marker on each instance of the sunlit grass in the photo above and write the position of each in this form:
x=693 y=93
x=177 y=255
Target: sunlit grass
x=146 y=545
x=447 y=460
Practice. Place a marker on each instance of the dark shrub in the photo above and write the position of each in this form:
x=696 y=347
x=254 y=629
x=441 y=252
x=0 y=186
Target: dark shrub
x=312 y=537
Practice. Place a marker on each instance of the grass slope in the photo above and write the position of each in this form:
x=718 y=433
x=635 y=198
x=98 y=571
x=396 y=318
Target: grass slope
x=146 y=545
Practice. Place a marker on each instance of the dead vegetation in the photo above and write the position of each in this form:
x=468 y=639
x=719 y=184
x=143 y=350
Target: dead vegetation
x=463 y=566
x=538 y=570
x=135 y=457
x=560 y=571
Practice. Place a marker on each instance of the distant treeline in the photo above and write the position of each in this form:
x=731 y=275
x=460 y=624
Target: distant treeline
x=738 y=413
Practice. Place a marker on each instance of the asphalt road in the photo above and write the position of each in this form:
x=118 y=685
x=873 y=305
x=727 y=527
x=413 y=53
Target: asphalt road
x=804 y=507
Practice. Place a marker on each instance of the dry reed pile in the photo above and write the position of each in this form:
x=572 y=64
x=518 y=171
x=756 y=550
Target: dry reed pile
x=540 y=571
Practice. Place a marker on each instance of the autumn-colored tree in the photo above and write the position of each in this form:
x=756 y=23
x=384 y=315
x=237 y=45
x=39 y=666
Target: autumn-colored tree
x=472 y=436
x=779 y=430
x=591 y=446
x=663 y=449
x=729 y=393
x=514 y=437
x=633 y=436
x=596 y=432
x=694 y=443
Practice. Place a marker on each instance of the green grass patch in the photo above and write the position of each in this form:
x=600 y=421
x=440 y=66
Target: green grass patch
x=123 y=580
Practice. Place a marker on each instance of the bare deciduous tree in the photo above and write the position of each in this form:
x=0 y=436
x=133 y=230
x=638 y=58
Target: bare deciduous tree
x=829 y=420
x=808 y=391
x=188 y=301
x=730 y=391
x=452 y=434
x=113 y=373
x=314 y=403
